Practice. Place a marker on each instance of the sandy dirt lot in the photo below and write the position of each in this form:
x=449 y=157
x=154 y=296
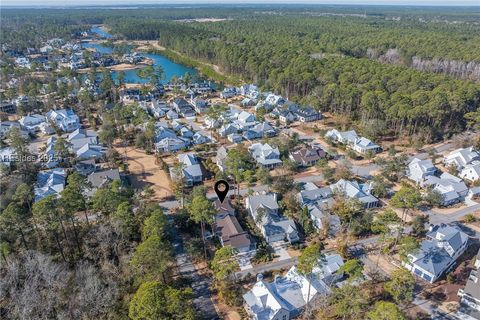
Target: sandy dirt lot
x=145 y=172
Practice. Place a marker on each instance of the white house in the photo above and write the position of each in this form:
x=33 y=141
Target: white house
x=286 y=297
x=35 y=123
x=418 y=170
x=191 y=171
x=355 y=190
x=470 y=172
x=265 y=155
x=460 y=158
x=50 y=182
x=65 y=119
x=451 y=188
x=353 y=141
x=469 y=308
x=438 y=253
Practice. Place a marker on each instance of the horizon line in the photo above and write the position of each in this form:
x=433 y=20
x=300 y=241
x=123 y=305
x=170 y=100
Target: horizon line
x=232 y=3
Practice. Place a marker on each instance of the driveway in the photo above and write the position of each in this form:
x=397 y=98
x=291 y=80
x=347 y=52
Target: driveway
x=280 y=249
x=244 y=260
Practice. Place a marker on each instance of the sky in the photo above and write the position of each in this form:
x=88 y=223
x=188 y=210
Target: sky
x=139 y=2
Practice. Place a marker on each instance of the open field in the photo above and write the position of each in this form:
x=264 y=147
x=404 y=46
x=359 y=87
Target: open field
x=145 y=172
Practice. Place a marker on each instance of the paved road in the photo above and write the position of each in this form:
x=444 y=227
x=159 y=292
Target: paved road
x=437 y=218
x=200 y=284
x=243 y=191
x=287 y=263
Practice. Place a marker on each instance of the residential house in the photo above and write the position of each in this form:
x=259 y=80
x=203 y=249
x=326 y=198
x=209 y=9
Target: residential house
x=172 y=115
x=308 y=156
x=264 y=210
x=470 y=172
x=451 y=188
x=228 y=92
x=231 y=233
x=261 y=130
x=182 y=107
x=235 y=138
x=286 y=296
x=353 y=141
x=221 y=158
x=36 y=123
x=199 y=105
x=344 y=137
x=227 y=129
x=469 y=308
x=200 y=138
x=170 y=144
x=307 y=114
x=363 y=145
x=418 y=170
x=191 y=171
x=6 y=156
x=355 y=190
x=247 y=102
x=321 y=219
x=8 y=107
x=245 y=120
x=438 y=253
x=90 y=151
x=265 y=155
x=100 y=179
x=65 y=119
x=311 y=194
x=460 y=158
x=249 y=90
x=50 y=182
x=286 y=116
x=6 y=126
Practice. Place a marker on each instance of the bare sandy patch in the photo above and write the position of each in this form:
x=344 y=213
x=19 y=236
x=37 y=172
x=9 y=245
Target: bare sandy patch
x=144 y=171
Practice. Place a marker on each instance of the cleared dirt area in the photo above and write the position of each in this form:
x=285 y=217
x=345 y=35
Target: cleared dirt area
x=144 y=171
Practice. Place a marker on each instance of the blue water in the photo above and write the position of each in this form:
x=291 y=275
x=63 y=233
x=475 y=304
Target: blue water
x=171 y=69
x=100 y=32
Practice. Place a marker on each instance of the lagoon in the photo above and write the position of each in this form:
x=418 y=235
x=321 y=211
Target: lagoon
x=171 y=69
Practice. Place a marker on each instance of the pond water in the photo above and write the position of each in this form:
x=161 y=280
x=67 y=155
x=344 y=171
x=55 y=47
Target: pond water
x=100 y=32
x=171 y=69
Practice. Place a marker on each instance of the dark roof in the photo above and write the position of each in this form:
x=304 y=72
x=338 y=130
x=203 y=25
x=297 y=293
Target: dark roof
x=308 y=154
x=231 y=232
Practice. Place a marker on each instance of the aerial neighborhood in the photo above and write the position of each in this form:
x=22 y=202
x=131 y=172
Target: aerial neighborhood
x=111 y=147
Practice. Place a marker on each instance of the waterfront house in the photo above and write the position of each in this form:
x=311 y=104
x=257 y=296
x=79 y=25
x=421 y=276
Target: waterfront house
x=438 y=253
